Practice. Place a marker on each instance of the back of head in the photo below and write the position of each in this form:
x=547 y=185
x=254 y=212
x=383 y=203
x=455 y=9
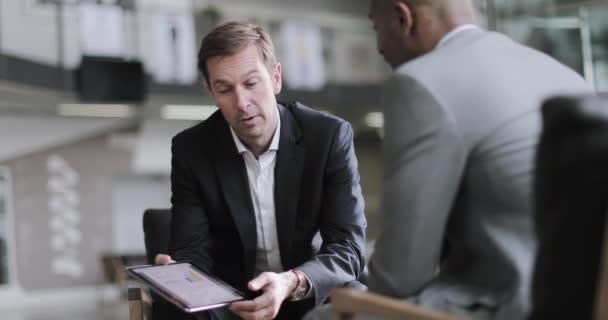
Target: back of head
x=407 y=29
x=447 y=12
x=232 y=37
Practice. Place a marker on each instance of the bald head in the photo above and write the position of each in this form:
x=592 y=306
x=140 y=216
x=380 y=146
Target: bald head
x=451 y=13
x=406 y=29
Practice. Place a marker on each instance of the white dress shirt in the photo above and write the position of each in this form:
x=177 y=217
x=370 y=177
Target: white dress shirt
x=260 y=173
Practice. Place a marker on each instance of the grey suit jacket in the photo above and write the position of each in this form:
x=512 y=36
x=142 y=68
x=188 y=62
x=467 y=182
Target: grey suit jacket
x=316 y=190
x=462 y=124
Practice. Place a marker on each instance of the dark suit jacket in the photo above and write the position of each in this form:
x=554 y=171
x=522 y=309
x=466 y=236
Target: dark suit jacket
x=316 y=189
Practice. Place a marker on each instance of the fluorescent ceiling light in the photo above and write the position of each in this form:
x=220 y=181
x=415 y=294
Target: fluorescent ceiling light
x=96 y=110
x=375 y=120
x=187 y=112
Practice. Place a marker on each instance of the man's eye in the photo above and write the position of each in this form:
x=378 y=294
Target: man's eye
x=251 y=83
x=223 y=90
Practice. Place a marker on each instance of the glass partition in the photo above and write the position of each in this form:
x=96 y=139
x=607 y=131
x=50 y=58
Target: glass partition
x=4 y=226
x=573 y=32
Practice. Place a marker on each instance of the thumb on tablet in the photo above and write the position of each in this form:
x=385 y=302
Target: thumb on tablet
x=163 y=259
x=261 y=281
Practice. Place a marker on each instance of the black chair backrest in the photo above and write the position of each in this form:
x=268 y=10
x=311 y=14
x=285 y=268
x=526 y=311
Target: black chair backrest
x=157 y=232
x=571 y=196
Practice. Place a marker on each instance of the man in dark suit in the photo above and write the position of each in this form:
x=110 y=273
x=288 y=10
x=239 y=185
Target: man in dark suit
x=257 y=181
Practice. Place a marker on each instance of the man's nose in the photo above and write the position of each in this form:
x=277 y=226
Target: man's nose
x=242 y=99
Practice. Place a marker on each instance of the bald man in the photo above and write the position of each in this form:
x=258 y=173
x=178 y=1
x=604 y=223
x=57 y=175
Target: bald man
x=461 y=126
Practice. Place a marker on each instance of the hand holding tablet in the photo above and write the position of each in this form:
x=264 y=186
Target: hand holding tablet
x=185 y=286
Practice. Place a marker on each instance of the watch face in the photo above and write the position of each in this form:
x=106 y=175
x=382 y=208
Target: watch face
x=298 y=293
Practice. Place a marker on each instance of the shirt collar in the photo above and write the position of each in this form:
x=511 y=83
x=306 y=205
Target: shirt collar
x=455 y=32
x=274 y=144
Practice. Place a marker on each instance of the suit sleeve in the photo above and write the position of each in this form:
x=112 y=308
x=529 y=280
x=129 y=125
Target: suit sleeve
x=190 y=234
x=342 y=224
x=424 y=160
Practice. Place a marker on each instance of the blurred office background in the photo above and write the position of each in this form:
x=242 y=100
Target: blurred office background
x=91 y=93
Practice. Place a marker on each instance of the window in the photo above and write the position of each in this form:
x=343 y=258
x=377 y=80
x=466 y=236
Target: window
x=4 y=226
x=574 y=32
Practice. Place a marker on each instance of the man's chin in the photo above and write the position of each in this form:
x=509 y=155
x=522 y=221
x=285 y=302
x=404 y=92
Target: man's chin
x=248 y=134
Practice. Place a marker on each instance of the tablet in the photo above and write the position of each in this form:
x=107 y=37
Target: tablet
x=185 y=286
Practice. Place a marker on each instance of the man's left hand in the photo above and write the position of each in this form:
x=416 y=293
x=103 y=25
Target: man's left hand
x=276 y=287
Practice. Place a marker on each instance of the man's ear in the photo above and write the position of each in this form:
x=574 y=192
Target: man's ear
x=277 y=80
x=405 y=14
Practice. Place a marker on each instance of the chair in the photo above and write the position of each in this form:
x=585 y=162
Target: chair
x=114 y=265
x=157 y=233
x=114 y=269
x=347 y=303
x=571 y=194
x=601 y=302
x=139 y=304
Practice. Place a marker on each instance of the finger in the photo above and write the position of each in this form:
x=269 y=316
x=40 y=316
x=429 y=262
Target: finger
x=163 y=259
x=160 y=259
x=264 y=300
x=260 y=282
x=245 y=306
x=242 y=306
x=256 y=304
x=265 y=313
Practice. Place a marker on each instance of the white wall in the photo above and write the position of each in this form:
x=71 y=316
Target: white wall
x=131 y=195
x=152 y=154
x=29 y=30
x=21 y=135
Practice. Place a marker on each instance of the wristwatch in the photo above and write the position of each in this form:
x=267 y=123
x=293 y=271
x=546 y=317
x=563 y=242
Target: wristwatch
x=300 y=291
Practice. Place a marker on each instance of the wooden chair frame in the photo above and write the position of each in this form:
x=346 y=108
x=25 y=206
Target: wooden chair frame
x=346 y=303
x=601 y=298
x=140 y=304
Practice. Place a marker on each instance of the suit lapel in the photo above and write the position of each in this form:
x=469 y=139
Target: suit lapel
x=232 y=173
x=287 y=179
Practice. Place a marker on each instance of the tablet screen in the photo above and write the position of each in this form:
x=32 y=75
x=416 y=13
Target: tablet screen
x=188 y=285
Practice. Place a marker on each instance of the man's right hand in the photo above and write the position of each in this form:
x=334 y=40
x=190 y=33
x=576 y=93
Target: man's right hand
x=163 y=259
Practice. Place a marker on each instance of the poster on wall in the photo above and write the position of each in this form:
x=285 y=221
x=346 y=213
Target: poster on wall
x=173 y=59
x=356 y=59
x=302 y=55
x=102 y=30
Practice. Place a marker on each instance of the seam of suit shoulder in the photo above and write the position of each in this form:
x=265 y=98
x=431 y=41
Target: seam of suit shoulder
x=316 y=114
x=314 y=117
x=449 y=116
x=335 y=139
x=335 y=123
